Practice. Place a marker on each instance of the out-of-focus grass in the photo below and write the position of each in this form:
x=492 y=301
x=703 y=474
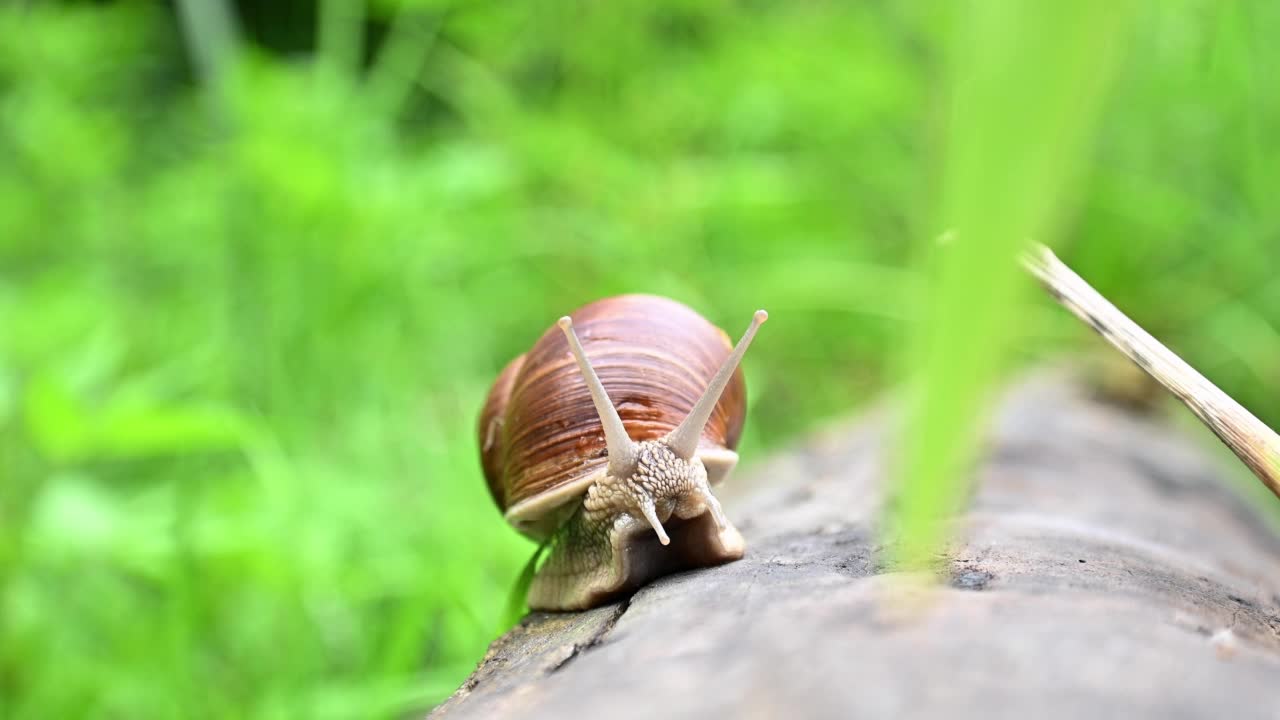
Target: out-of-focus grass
x=243 y=337
x=1026 y=82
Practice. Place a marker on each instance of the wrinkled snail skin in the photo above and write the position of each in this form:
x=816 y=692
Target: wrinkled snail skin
x=605 y=439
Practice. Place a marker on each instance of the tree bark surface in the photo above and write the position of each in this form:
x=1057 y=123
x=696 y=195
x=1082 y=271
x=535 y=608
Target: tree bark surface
x=1104 y=570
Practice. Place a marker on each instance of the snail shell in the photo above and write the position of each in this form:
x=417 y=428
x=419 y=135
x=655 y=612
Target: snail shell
x=544 y=442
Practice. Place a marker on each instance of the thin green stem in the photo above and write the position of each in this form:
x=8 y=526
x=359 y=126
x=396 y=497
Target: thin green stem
x=212 y=36
x=340 y=37
x=400 y=61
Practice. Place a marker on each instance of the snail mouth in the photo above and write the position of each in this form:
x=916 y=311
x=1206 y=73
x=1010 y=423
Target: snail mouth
x=695 y=542
x=637 y=557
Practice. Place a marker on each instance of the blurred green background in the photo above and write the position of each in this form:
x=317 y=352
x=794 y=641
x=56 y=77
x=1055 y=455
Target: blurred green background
x=259 y=263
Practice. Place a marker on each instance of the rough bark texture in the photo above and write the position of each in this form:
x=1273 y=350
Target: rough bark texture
x=1104 y=570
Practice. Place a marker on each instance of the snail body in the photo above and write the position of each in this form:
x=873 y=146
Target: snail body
x=605 y=439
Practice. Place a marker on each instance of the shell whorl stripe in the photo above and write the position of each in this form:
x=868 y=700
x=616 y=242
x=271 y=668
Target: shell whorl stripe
x=492 y=418
x=622 y=452
x=684 y=439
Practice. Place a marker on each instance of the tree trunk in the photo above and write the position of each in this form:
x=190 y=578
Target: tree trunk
x=1103 y=570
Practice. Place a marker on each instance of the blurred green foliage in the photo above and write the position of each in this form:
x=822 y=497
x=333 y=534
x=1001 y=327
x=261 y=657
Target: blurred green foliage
x=248 y=314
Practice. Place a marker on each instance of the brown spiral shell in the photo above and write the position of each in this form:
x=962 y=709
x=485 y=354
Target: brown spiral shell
x=541 y=442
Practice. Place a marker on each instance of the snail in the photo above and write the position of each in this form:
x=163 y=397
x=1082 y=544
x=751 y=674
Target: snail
x=603 y=441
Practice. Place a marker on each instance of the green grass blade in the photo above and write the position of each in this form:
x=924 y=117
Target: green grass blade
x=1027 y=82
x=517 y=600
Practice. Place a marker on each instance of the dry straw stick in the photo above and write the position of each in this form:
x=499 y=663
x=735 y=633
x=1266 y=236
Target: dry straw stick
x=1247 y=436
